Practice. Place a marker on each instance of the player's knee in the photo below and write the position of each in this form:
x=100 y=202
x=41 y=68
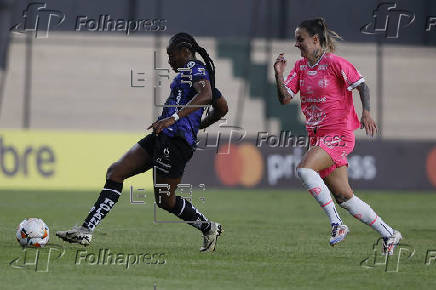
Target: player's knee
x=113 y=172
x=343 y=197
x=162 y=205
x=339 y=199
x=301 y=165
x=304 y=173
x=166 y=204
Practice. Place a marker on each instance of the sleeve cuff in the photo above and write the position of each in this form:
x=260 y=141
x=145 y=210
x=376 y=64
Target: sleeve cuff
x=353 y=85
x=290 y=92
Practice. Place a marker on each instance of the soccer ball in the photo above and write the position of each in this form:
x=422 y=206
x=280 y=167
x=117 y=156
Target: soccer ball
x=32 y=232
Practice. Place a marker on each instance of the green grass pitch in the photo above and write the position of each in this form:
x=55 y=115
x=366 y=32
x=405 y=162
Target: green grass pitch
x=271 y=240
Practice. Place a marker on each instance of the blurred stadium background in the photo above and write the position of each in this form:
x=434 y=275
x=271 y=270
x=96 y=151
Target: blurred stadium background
x=68 y=81
x=71 y=102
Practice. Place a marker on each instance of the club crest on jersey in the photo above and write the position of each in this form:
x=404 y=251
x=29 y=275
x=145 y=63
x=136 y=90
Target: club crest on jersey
x=166 y=152
x=191 y=64
x=322 y=83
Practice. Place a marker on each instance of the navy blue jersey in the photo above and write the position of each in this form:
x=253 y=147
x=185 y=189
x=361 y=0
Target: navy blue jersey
x=182 y=91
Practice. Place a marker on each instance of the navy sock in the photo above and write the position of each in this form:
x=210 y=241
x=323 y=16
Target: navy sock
x=187 y=212
x=105 y=202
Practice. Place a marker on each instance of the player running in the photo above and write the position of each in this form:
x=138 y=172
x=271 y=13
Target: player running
x=169 y=147
x=325 y=82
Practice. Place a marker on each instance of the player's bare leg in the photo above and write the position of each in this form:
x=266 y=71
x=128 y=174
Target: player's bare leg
x=135 y=161
x=166 y=199
x=337 y=182
x=313 y=161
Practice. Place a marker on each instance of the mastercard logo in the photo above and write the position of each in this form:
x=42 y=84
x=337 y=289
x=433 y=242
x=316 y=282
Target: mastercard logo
x=239 y=165
x=431 y=166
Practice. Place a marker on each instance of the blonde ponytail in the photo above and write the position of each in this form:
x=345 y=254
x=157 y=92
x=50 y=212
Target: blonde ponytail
x=326 y=36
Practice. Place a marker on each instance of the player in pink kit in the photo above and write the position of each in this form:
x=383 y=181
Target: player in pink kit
x=325 y=82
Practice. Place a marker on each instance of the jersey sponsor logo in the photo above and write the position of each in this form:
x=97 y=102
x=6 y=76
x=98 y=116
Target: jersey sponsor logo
x=178 y=97
x=201 y=72
x=344 y=76
x=312 y=72
x=314 y=115
x=322 y=67
x=312 y=100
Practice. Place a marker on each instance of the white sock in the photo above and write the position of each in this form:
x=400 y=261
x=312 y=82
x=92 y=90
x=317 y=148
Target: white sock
x=317 y=188
x=363 y=212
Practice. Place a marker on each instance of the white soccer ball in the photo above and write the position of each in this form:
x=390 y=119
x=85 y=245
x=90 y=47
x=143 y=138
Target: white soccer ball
x=33 y=232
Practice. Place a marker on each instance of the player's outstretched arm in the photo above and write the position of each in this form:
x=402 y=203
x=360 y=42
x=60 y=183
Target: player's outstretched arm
x=202 y=98
x=282 y=92
x=366 y=120
x=219 y=110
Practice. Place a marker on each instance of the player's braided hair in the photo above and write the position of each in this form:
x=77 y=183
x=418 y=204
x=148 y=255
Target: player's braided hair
x=183 y=39
x=326 y=36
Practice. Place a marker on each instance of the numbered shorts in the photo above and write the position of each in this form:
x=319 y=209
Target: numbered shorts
x=337 y=145
x=169 y=154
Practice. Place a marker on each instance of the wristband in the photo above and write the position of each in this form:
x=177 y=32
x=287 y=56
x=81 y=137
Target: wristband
x=176 y=117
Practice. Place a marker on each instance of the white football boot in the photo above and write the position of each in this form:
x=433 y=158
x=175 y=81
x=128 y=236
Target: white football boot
x=78 y=235
x=390 y=243
x=210 y=238
x=339 y=232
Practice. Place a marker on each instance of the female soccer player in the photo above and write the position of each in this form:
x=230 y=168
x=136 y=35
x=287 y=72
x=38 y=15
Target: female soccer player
x=325 y=82
x=169 y=147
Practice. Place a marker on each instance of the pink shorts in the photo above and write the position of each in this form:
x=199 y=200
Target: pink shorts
x=337 y=145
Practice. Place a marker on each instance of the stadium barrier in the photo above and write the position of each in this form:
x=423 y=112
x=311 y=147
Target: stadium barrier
x=374 y=164
x=39 y=159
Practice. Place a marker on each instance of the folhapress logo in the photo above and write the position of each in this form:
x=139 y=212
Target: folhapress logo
x=41 y=260
x=388 y=20
x=39 y=19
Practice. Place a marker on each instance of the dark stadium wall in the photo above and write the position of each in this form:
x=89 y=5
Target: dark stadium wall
x=248 y=18
x=390 y=165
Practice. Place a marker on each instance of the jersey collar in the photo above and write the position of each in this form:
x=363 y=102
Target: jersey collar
x=312 y=66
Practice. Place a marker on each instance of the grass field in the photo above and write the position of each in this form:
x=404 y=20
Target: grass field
x=272 y=240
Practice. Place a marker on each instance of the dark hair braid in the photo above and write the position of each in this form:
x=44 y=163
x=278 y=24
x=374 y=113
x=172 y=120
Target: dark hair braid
x=183 y=39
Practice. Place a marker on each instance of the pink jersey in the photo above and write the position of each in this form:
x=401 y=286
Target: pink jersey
x=325 y=91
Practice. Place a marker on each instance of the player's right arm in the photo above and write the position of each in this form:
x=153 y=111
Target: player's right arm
x=284 y=93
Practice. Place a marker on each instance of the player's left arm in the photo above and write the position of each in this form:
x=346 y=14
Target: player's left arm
x=201 y=99
x=366 y=120
x=353 y=79
x=219 y=109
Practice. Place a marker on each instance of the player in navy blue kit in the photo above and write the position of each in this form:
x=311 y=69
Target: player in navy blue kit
x=169 y=147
